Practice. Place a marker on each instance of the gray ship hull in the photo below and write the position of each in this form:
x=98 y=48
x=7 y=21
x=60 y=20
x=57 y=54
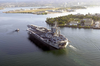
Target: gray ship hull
x=40 y=43
x=50 y=38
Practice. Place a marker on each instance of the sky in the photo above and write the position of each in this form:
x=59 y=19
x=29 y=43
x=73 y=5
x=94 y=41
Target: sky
x=50 y=0
x=19 y=0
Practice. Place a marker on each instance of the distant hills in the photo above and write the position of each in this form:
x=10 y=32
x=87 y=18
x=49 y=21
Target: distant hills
x=56 y=3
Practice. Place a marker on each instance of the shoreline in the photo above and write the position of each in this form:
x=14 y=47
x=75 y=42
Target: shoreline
x=79 y=27
x=71 y=26
x=1 y=8
x=34 y=10
x=42 y=11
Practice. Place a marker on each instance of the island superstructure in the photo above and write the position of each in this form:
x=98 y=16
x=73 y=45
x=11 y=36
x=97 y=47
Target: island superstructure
x=50 y=38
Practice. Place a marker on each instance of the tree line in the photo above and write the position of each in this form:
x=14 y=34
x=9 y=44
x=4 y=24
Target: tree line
x=62 y=20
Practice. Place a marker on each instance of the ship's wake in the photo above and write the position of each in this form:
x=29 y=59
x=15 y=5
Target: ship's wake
x=74 y=48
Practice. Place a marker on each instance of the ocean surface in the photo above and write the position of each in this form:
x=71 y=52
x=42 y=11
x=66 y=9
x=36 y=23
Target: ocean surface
x=16 y=48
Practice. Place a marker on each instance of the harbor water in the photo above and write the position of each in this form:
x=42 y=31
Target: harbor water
x=16 y=48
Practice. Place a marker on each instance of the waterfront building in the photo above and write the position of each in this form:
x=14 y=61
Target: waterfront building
x=97 y=24
x=88 y=22
x=73 y=23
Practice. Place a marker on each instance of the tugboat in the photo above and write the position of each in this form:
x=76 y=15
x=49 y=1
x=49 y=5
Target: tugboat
x=50 y=38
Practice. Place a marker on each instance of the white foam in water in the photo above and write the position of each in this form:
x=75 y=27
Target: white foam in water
x=74 y=48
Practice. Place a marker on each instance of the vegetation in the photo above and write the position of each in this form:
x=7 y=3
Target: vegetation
x=43 y=9
x=30 y=11
x=61 y=20
x=65 y=20
x=80 y=26
x=42 y=13
x=87 y=26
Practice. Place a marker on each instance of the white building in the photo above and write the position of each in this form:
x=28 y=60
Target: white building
x=88 y=22
x=97 y=24
x=73 y=23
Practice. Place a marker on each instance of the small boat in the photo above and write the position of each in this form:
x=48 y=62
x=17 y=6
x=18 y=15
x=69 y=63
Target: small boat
x=17 y=30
